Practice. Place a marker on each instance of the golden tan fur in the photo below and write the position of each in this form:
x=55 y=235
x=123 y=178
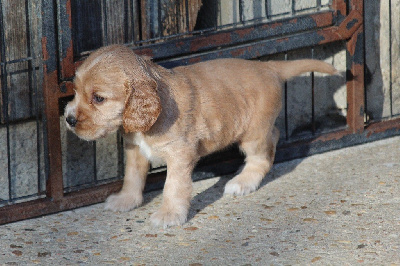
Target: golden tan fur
x=180 y=115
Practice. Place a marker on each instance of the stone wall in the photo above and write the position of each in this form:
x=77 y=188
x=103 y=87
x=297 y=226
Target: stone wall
x=26 y=167
x=382 y=58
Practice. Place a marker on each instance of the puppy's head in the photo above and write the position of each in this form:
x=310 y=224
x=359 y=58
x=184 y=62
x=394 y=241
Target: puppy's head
x=113 y=88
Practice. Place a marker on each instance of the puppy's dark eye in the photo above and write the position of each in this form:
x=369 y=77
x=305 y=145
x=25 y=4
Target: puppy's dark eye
x=98 y=99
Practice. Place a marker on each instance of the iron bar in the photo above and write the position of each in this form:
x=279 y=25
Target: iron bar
x=94 y=145
x=51 y=92
x=35 y=92
x=136 y=24
x=105 y=22
x=267 y=9
x=241 y=12
x=262 y=47
x=210 y=40
x=355 y=69
x=4 y=92
x=390 y=60
x=293 y=8
x=158 y=29
x=127 y=3
x=25 y=59
x=121 y=155
x=139 y=12
x=178 y=5
x=187 y=14
x=319 y=5
x=313 y=125
x=30 y=69
x=286 y=114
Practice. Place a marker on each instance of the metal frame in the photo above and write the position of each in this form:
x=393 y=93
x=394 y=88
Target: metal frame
x=344 y=23
x=7 y=121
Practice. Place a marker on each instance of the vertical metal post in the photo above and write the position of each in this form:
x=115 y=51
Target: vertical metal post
x=319 y=5
x=286 y=106
x=105 y=22
x=53 y=156
x=4 y=92
x=187 y=9
x=64 y=39
x=94 y=162
x=35 y=92
x=266 y=5
x=390 y=60
x=355 y=75
x=293 y=8
x=159 y=30
x=241 y=11
x=313 y=126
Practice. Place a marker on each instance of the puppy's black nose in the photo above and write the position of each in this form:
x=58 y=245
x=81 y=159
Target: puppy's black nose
x=71 y=120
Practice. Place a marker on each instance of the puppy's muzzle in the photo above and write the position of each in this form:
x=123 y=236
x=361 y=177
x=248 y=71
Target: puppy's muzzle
x=71 y=120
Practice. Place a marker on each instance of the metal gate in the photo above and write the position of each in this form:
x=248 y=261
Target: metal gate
x=173 y=33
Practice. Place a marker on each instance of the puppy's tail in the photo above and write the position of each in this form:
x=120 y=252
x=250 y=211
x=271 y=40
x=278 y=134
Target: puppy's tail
x=289 y=69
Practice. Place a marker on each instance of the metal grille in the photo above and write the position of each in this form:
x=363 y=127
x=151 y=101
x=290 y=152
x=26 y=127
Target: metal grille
x=98 y=23
x=22 y=165
x=102 y=22
x=309 y=108
x=88 y=164
x=69 y=173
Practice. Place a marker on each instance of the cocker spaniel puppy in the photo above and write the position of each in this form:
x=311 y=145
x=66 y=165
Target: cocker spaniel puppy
x=179 y=115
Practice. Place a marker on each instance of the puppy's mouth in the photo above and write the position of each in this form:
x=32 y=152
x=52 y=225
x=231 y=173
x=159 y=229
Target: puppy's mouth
x=90 y=135
x=89 y=131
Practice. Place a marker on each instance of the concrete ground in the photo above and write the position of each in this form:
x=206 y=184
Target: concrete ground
x=336 y=208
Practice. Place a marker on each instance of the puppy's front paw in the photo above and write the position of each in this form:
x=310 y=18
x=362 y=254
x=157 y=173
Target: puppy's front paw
x=240 y=188
x=167 y=217
x=123 y=201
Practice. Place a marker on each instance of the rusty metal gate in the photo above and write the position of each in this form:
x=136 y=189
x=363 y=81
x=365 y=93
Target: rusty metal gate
x=173 y=33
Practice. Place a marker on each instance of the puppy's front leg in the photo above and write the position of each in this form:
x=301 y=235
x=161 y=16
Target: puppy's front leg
x=131 y=194
x=176 y=195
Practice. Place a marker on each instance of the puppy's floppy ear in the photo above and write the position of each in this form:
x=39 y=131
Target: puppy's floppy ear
x=142 y=106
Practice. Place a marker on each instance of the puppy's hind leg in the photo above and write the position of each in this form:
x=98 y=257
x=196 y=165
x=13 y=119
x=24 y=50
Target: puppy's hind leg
x=131 y=194
x=260 y=155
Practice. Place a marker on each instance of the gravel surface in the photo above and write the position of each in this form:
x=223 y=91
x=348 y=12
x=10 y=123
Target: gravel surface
x=336 y=208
